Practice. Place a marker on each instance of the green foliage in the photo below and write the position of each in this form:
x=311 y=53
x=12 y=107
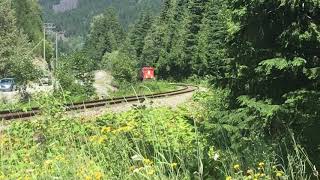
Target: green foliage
x=211 y=41
x=145 y=87
x=122 y=67
x=138 y=34
x=105 y=35
x=29 y=18
x=182 y=41
x=15 y=54
x=256 y=132
x=165 y=41
x=75 y=76
x=130 y=145
x=271 y=69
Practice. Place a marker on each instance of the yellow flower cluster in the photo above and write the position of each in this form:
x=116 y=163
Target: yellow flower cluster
x=106 y=130
x=173 y=165
x=123 y=129
x=261 y=164
x=127 y=128
x=97 y=139
x=84 y=174
x=236 y=167
x=146 y=167
x=256 y=176
x=2 y=176
x=252 y=174
x=48 y=163
x=147 y=162
x=279 y=173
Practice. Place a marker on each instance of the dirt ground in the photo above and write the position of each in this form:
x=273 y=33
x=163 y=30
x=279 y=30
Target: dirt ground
x=103 y=83
x=171 y=101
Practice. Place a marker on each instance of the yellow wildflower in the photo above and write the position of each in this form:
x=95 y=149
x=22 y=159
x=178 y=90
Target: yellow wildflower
x=131 y=168
x=274 y=167
x=262 y=175
x=2 y=177
x=60 y=158
x=105 y=129
x=97 y=139
x=98 y=175
x=236 y=167
x=88 y=178
x=92 y=138
x=173 y=165
x=26 y=178
x=100 y=140
x=147 y=161
x=150 y=172
x=228 y=178
x=123 y=129
x=250 y=171
x=279 y=173
x=261 y=164
x=47 y=163
x=257 y=175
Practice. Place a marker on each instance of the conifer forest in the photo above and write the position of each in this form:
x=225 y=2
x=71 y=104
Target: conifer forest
x=253 y=111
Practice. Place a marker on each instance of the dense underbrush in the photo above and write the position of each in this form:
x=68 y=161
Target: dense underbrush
x=200 y=140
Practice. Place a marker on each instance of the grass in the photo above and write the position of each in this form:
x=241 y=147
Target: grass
x=145 y=87
x=142 y=143
x=139 y=144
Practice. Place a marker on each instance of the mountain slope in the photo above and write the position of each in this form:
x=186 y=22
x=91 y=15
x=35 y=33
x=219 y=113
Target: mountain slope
x=74 y=16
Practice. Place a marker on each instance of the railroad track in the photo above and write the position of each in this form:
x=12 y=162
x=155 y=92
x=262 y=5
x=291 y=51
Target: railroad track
x=19 y=114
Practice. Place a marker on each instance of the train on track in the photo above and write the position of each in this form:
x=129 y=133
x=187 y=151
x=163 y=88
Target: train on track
x=146 y=73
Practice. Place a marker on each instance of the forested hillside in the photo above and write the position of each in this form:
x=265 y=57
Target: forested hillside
x=263 y=57
x=77 y=21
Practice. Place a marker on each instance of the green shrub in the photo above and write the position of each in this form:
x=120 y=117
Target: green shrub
x=254 y=133
x=75 y=76
x=122 y=67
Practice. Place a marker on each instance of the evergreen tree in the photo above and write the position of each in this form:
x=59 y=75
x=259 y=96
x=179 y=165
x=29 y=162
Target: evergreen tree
x=195 y=14
x=106 y=35
x=15 y=52
x=138 y=33
x=8 y=35
x=28 y=18
x=275 y=68
x=164 y=42
x=211 y=55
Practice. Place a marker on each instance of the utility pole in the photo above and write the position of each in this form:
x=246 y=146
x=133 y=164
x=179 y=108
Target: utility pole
x=44 y=43
x=49 y=27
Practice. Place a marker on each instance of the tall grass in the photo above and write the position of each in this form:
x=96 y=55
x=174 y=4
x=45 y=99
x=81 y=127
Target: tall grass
x=139 y=144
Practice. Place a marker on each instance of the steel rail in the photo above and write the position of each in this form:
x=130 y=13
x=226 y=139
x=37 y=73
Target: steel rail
x=19 y=114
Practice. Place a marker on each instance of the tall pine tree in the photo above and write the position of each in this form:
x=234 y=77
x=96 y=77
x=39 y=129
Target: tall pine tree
x=15 y=52
x=106 y=35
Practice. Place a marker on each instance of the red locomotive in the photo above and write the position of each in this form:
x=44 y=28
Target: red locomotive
x=147 y=73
